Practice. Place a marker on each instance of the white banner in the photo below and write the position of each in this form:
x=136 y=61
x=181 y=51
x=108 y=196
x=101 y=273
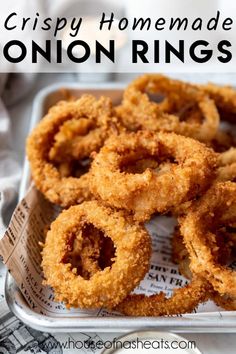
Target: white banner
x=125 y=36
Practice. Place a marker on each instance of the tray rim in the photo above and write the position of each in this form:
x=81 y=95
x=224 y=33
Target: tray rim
x=186 y=324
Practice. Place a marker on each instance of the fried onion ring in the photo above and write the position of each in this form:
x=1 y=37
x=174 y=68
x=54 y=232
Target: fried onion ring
x=225 y=100
x=183 y=300
x=77 y=137
x=227 y=166
x=180 y=254
x=217 y=208
x=52 y=136
x=185 y=110
x=106 y=287
x=226 y=171
x=186 y=167
x=181 y=257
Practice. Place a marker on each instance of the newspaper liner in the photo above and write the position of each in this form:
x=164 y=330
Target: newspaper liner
x=20 y=251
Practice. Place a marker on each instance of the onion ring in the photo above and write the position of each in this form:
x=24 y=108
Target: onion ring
x=78 y=136
x=181 y=257
x=180 y=254
x=226 y=171
x=189 y=173
x=185 y=110
x=215 y=209
x=225 y=100
x=56 y=183
x=109 y=286
x=183 y=300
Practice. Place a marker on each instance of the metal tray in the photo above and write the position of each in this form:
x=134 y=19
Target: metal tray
x=211 y=322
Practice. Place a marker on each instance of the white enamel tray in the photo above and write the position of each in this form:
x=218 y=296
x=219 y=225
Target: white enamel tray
x=211 y=322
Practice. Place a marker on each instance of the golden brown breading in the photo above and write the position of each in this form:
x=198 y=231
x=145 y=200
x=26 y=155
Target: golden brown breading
x=225 y=100
x=217 y=208
x=109 y=286
x=54 y=182
x=183 y=300
x=188 y=170
x=185 y=109
x=181 y=257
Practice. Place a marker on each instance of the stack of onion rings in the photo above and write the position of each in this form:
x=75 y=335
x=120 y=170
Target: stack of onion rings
x=146 y=160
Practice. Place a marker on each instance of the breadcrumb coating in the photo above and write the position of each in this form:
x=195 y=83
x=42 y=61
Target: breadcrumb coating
x=189 y=169
x=109 y=286
x=47 y=140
